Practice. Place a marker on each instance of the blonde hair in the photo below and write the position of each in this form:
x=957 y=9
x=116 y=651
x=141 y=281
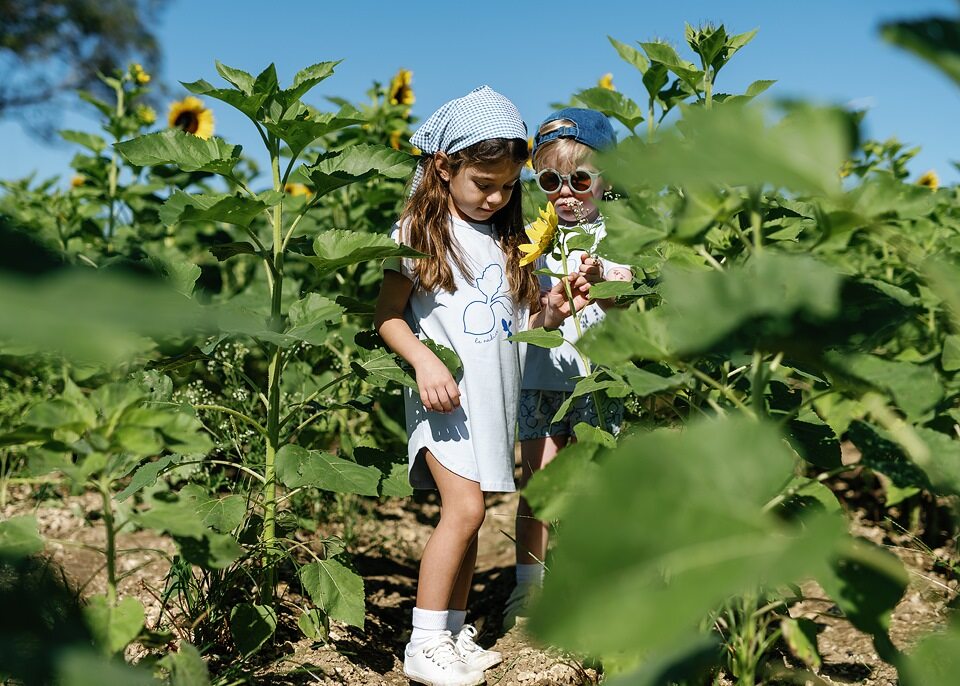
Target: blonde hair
x=562 y=154
x=426 y=218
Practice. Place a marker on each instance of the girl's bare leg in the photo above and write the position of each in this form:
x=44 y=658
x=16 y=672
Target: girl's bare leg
x=461 y=588
x=447 y=552
x=533 y=535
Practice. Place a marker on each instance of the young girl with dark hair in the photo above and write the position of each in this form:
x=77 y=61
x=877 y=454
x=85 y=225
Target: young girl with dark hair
x=470 y=295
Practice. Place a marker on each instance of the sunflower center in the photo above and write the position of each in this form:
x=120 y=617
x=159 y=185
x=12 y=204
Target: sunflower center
x=187 y=121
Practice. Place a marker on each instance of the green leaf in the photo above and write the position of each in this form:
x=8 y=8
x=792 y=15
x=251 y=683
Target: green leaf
x=19 y=537
x=587 y=433
x=630 y=55
x=113 y=627
x=379 y=367
x=310 y=316
x=222 y=514
x=540 y=337
x=237 y=209
x=335 y=589
x=867 y=582
x=84 y=668
x=589 y=385
x=935 y=661
x=665 y=54
x=735 y=145
x=395 y=482
x=801 y=636
x=249 y=104
x=816 y=442
x=654 y=584
x=644 y=383
x=915 y=388
x=224 y=251
x=297 y=466
x=446 y=355
x=307 y=78
x=186 y=667
x=210 y=551
x=612 y=104
x=339 y=248
x=186 y=151
x=298 y=134
x=145 y=476
x=551 y=491
x=251 y=626
x=950 y=357
x=90 y=141
x=363 y=160
x=615 y=289
x=935 y=40
x=315 y=625
x=237 y=77
x=56 y=414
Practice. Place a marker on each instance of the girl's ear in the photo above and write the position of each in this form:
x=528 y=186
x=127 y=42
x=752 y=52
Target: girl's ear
x=442 y=164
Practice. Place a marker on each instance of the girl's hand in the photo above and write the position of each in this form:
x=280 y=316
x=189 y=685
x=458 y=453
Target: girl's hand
x=438 y=389
x=589 y=271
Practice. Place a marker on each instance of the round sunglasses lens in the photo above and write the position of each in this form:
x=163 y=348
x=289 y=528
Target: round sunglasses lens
x=581 y=181
x=549 y=181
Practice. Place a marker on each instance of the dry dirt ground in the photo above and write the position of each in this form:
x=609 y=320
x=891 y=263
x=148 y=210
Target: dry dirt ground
x=386 y=553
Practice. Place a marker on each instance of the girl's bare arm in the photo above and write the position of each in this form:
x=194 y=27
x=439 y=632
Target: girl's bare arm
x=438 y=389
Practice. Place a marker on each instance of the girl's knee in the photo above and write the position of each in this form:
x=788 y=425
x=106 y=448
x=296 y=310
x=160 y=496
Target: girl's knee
x=467 y=515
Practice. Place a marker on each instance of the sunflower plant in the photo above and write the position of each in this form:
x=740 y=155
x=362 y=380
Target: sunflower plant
x=268 y=229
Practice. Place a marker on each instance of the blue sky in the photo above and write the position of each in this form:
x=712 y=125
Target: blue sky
x=537 y=53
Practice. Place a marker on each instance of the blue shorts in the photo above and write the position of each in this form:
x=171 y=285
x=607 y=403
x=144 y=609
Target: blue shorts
x=537 y=409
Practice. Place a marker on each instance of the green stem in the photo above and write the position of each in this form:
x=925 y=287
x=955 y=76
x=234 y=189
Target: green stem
x=576 y=322
x=710 y=381
x=756 y=221
x=650 y=122
x=111 y=552
x=708 y=88
x=112 y=176
x=758 y=384
x=273 y=393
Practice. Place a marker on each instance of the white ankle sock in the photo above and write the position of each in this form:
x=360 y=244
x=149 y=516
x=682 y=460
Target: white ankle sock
x=530 y=575
x=455 y=620
x=427 y=624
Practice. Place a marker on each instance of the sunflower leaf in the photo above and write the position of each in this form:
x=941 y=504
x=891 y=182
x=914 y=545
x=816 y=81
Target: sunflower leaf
x=612 y=104
x=231 y=209
x=250 y=105
x=188 y=152
x=306 y=79
x=361 y=160
x=339 y=248
x=299 y=133
x=236 y=77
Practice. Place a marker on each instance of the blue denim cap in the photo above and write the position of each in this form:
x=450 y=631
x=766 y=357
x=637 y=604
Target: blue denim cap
x=589 y=127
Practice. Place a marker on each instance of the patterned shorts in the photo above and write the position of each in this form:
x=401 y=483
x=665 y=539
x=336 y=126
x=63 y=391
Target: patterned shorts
x=537 y=409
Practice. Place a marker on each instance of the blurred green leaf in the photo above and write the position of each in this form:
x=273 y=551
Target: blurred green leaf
x=655 y=583
x=186 y=666
x=935 y=40
x=19 y=537
x=114 y=626
x=540 y=337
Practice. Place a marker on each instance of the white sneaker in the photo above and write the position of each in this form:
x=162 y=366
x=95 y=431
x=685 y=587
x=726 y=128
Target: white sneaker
x=476 y=657
x=438 y=663
x=517 y=607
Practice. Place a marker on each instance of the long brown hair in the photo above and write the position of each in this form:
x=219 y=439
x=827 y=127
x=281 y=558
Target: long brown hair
x=426 y=218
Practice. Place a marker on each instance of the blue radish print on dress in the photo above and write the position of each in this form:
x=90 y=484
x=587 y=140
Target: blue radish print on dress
x=479 y=317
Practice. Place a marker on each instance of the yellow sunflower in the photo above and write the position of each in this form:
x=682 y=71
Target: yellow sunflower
x=77 y=181
x=395 y=140
x=296 y=189
x=529 y=162
x=400 y=91
x=930 y=180
x=139 y=75
x=541 y=234
x=191 y=116
x=145 y=114
x=606 y=81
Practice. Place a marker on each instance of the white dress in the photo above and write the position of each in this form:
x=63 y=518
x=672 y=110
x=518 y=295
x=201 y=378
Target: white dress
x=476 y=441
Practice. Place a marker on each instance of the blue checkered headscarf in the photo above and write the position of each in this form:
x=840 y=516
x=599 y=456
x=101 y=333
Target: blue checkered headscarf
x=479 y=115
